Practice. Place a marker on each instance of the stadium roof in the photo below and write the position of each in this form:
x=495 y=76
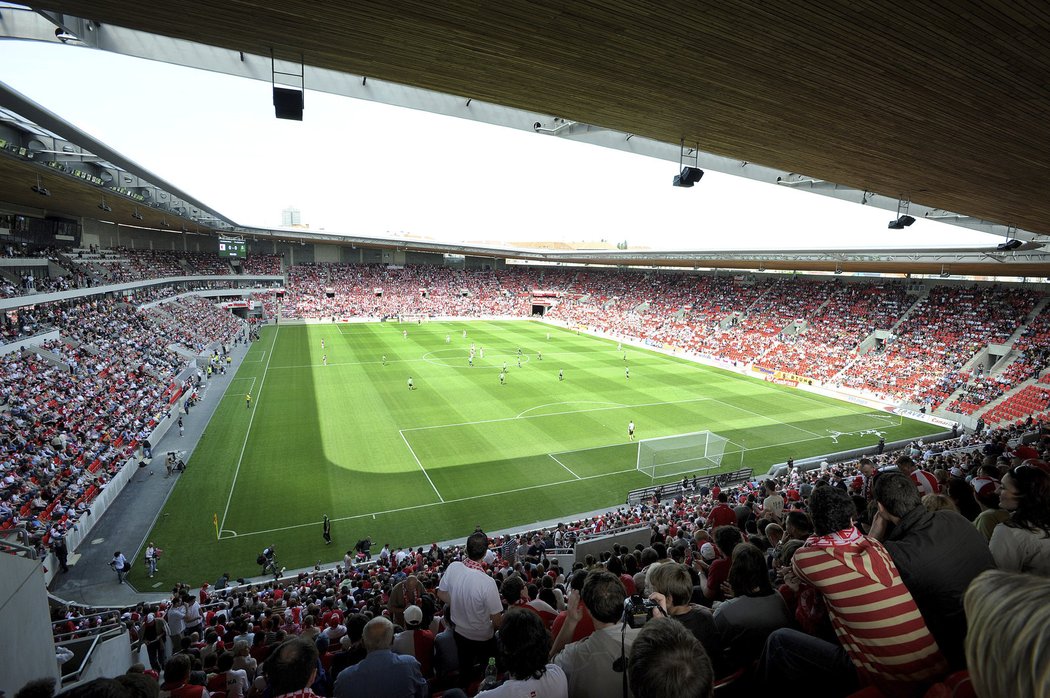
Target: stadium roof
x=943 y=105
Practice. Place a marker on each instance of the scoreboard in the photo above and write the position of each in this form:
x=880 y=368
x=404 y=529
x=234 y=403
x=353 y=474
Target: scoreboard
x=235 y=248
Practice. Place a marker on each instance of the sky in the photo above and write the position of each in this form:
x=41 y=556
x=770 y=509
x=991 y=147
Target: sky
x=358 y=167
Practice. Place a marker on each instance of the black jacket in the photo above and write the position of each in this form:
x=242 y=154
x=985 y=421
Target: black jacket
x=938 y=555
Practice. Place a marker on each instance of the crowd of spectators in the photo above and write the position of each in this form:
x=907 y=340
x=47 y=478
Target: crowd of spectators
x=735 y=571
x=942 y=333
x=74 y=411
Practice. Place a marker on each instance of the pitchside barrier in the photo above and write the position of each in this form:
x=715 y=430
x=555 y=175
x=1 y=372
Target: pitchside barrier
x=673 y=490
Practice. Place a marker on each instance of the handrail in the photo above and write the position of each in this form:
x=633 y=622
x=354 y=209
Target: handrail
x=610 y=531
x=95 y=639
x=87 y=632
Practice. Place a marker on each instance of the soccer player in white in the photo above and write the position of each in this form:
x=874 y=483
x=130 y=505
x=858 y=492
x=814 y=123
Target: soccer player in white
x=322 y=344
x=404 y=334
x=448 y=339
x=630 y=430
x=324 y=359
x=470 y=361
x=502 y=378
x=561 y=374
x=411 y=385
x=384 y=359
x=627 y=373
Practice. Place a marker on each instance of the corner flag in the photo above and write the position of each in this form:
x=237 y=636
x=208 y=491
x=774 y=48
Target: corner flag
x=215 y=520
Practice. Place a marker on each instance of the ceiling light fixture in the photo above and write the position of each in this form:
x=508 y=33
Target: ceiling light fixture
x=39 y=188
x=903 y=220
x=104 y=206
x=690 y=174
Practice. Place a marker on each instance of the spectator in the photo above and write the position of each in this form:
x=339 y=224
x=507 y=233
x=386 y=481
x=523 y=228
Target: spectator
x=235 y=680
x=668 y=662
x=589 y=663
x=673 y=591
x=405 y=593
x=524 y=647
x=882 y=638
x=754 y=611
x=177 y=679
x=416 y=640
x=475 y=607
x=1022 y=544
x=938 y=555
x=1009 y=630
x=381 y=674
x=292 y=668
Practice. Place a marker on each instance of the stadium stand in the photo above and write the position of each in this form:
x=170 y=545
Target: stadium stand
x=245 y=621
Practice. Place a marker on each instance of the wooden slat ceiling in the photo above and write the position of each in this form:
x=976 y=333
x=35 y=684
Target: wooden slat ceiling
x=945 y=102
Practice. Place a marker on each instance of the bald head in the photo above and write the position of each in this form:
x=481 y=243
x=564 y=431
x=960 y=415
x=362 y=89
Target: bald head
x=378 y=634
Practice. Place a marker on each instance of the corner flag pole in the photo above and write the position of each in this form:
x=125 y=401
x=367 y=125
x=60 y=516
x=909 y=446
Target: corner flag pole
x=215 y=521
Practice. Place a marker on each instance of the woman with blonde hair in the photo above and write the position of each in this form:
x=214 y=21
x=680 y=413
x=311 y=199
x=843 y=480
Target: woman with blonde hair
x=1009 y=629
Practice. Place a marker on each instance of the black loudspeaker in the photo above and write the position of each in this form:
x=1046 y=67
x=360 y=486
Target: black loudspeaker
x=689 y=177
x=288 y=104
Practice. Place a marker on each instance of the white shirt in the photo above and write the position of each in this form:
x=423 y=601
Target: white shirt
x=474 y=600
x=553 y=684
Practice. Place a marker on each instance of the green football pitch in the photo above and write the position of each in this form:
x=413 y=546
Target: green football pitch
x=350 y=440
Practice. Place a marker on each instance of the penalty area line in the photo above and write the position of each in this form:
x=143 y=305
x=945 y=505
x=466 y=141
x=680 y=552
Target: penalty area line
x=563 y=465
x=425 y=474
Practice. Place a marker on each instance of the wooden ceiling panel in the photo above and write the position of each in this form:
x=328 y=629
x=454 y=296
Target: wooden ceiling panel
x=944 y=102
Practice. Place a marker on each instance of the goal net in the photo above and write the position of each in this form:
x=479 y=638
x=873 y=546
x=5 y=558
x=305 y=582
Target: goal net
x=683 y=453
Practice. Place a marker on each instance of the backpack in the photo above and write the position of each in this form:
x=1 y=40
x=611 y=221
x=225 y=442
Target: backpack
x=261 y=560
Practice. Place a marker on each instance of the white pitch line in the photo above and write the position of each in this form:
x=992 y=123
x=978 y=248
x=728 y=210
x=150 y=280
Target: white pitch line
x=564 y=466
x=248 y=431
x=764 y=416
x=425 y=474
x=555 y=414
x=513 y=491
x=436 y=504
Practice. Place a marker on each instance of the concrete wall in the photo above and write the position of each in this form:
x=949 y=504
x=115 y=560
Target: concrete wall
x=28 y=651
x=327 y=253
x=596 y=546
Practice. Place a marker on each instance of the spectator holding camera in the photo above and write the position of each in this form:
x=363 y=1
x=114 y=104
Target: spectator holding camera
x=595 y=664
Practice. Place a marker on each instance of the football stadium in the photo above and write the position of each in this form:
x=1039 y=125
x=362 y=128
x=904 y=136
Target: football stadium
x=493 y=413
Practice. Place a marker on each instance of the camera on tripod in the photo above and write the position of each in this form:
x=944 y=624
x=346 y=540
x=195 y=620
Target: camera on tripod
x=637 y=611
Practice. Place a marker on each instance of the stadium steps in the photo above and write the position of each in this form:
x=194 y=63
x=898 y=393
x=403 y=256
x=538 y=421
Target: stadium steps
x=1005 y=396
x=919 y=301
x=1029 y=319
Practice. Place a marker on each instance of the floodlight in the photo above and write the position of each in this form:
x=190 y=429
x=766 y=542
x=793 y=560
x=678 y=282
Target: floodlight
x=1009 y=245
x=901 y=223
x=688 y=177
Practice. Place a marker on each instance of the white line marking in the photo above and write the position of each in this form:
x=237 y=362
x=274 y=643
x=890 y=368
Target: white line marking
x=513 y=491
x=763 y=416
x=564 y=466
x=437 y=504
x=571 y=402
x=554 y=414
x=427 y=476
x=248 y=431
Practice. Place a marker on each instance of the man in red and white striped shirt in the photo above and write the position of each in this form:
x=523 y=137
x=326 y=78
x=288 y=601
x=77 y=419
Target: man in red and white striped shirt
x=923 y=479
x=883 y=638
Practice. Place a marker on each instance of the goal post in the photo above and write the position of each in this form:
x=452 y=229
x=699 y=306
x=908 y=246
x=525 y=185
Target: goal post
x=686 y=453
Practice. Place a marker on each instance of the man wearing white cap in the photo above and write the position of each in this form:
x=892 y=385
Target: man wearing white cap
x=415 y=640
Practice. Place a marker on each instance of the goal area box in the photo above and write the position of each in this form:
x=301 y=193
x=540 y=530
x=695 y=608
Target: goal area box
x=684 y=454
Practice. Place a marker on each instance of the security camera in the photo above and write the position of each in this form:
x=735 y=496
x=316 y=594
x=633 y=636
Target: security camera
x=537 y=126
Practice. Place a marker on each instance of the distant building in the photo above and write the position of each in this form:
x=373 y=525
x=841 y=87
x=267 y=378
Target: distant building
x=291 y=217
